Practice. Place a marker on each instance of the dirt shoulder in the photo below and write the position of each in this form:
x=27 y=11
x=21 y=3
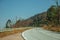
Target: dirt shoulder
x=6 y=33
x=52 y=28
x=16 y=36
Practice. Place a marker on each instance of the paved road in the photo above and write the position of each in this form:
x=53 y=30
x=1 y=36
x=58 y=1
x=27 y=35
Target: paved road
x=13 y=37
x=40 y=34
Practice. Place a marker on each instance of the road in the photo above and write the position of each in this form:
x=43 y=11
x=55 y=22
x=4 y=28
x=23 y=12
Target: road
x=34 y=34
x=40 y=34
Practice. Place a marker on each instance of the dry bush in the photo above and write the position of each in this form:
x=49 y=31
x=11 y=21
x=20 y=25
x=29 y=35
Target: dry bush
x=52 y=28
x=6 y=33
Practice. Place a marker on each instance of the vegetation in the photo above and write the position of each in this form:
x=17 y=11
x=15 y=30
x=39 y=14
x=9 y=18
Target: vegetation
x=49 y=18
x=8 y=23
x=14 y=31
x=53 y=15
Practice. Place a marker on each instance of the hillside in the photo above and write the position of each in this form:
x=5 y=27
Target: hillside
x=30 y=21
x=38 y=20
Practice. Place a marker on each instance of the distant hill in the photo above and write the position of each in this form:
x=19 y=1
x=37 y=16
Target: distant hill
x=32 y=20
x=37 y=20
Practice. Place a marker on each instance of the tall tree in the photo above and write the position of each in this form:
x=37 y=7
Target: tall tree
x=57 y=11
x=8 y=23
x=53 y=13
x=57 y=3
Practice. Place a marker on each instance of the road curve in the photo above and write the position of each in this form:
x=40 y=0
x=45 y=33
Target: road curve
x=40 y=34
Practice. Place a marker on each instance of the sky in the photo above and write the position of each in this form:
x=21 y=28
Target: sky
x=12 y=9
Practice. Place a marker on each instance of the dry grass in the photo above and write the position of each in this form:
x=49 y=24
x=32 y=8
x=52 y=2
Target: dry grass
x=6 y=33
x=55 y=29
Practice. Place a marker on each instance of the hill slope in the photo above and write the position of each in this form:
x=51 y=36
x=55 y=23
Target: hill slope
x=32 y=20
x=36 y=20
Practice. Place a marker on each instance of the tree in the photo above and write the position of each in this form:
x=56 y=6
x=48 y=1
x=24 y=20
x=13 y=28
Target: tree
x=8 y=23
x=36 y=21
x=57 y=11
x=57 y=3
x=53 y=14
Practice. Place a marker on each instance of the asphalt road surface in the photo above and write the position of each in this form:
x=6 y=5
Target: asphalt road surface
x=40 y=34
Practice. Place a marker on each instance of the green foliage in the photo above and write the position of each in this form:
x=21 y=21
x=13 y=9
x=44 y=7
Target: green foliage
x=36 y=22
x=52 y=15
x=8 y=23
